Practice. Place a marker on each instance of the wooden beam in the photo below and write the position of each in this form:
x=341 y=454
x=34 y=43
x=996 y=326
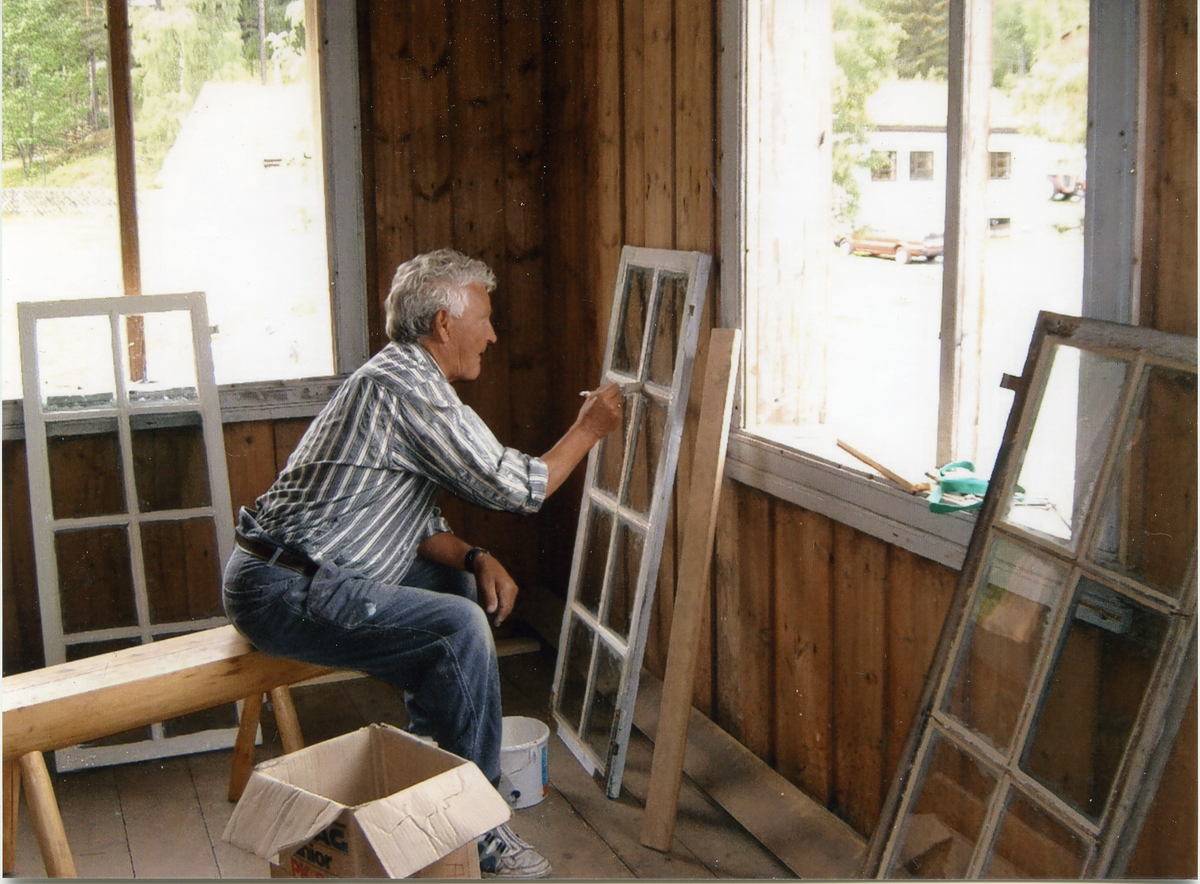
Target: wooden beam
x=84 y=700
x=712 y=435
x=803 y=835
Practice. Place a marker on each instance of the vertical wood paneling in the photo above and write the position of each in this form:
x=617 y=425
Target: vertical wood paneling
x=918 y=597
x=523 y=230
x=22 y=613
x=1172 y=300
x=429 y=103
x=803 y=651
x=393 y=69
x=658 y=87
x=859 y=587
x=745 y=691
x=250 y=459
x=635 y=100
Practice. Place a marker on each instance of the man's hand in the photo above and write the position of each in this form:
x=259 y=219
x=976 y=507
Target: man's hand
x=600 y=414
x=497 y=591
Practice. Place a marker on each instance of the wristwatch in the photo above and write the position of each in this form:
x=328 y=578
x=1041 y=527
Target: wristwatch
x=469 y=560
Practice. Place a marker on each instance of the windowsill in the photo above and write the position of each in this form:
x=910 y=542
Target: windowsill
x=848 y=494
x=258 y=401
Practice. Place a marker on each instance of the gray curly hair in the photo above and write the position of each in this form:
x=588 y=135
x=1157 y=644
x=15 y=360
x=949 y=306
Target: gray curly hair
x=428 y=283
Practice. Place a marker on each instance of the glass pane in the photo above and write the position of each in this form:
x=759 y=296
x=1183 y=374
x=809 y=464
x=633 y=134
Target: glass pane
x=1035 y=174
x=1032 y=844
x=596 y=539
x=1096 y=690
x=230 y=189
x=75 y=363
x=627 y=348
x=1004 y=638
x=162 y=364
x=612 y=447
x=651 y=428
x=1071 y=434
x=1150 y=525
x=170 y=463
x=622 y=589
x=576 y=660
x=668 y=326
x=604 y=702
x=942 y=828
x=60 y=233
x=183 y=570
x=92 y=649
x=95 y=579
x=86 y=474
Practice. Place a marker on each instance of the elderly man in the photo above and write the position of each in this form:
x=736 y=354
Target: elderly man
x=346 y=561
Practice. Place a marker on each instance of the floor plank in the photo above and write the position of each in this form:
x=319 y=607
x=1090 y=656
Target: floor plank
x=210 y=776
x=163 y=821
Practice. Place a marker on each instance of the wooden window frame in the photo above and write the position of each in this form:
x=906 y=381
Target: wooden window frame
x=1111 y=236
x=1111 y=835
x=625 y=644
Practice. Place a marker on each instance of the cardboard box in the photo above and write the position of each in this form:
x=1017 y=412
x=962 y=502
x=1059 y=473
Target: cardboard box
x=375 y=803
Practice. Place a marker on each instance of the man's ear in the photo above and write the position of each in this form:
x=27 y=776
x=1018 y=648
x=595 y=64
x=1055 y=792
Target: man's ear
x=440 y=331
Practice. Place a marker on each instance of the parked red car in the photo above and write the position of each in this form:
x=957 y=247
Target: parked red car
x=899 y=248
x=1065 y=187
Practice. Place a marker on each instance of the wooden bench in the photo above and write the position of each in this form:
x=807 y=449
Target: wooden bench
x=84 y=700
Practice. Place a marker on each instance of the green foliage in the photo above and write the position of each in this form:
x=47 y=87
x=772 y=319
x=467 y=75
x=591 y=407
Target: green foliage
x=177 y=46
x=280 y=19
x=1012 y=46
x=1052 y=100
x=864 y=50
x=55 y=92
x=50 y=101
x=923 y=50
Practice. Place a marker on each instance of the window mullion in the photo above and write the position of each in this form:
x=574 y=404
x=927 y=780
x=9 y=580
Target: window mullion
x=121 y=86
x=967 y=165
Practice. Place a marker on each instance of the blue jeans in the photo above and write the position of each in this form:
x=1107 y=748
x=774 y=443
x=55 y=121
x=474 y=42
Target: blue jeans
x=427 y=637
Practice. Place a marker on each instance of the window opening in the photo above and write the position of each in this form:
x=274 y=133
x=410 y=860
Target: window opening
x=977 y=246
x=171 y=146
x=920 y=165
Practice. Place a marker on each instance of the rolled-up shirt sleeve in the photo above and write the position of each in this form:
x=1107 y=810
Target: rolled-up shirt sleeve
x=449 y=443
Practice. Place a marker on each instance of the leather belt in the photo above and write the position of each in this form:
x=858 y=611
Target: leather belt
x=273 y=554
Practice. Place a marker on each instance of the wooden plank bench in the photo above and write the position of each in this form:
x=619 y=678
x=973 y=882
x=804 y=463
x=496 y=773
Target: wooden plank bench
x=84 y=700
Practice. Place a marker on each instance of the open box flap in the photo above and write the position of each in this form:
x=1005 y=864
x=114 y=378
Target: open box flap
x=273 y=817
x=413 y=828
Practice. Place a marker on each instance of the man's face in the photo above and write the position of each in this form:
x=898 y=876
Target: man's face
x=470 y=335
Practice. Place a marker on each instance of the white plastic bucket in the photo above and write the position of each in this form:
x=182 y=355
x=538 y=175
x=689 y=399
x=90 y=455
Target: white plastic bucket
x=524 y=761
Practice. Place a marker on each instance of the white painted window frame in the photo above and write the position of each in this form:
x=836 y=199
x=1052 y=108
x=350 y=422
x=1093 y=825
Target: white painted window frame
x=1111 y=242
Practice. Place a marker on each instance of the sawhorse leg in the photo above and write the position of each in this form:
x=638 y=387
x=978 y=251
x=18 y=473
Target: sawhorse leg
x=30 y=771
x=12 y=794
x=243 y=747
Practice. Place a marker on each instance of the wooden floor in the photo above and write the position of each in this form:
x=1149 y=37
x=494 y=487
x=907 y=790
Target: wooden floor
x=164 y=819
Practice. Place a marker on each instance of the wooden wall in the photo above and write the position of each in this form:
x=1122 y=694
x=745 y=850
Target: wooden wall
x=541 y=136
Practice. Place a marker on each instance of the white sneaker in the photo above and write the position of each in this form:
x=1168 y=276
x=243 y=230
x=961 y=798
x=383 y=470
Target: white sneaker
x=504 y=854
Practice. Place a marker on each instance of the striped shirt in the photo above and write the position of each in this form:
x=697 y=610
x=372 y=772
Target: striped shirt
x=359 y=490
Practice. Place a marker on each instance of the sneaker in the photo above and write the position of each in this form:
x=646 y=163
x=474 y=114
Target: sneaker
x=503 y=854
